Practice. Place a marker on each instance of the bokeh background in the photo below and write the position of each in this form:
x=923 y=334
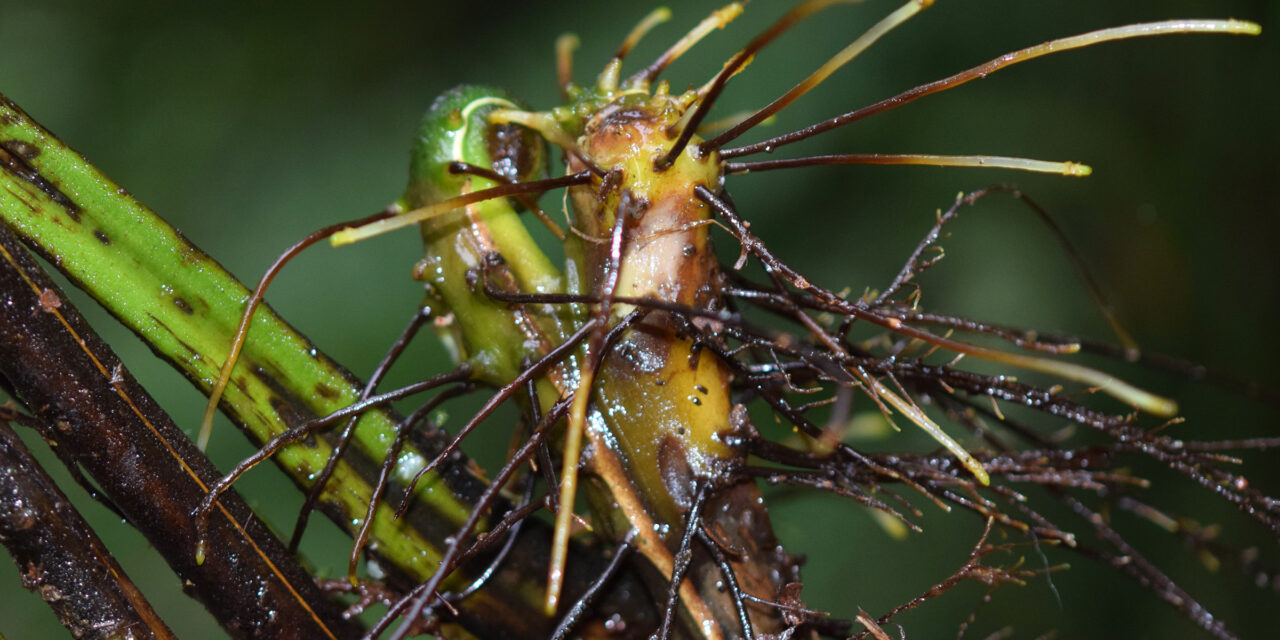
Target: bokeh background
x=250 y=124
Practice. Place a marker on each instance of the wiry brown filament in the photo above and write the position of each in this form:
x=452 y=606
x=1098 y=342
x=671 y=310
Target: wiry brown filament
x=902 y=14
x=987 y=68
x=914 y=266
x=362 y=229
x=552 y=358
x=389 y=462
x=305 y=429
x=579 y=608
x=242 y=331
x=731 y=67
x=420 y=317
x=717 y=20
x=932 y=160
x=1068 y=370
x=528 y=201
x=417 y=598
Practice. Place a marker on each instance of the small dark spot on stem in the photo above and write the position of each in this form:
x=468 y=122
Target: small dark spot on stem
x=23 y=149
x=183 y=305
x=13 y=158
x=325 y=391
x=102 y=237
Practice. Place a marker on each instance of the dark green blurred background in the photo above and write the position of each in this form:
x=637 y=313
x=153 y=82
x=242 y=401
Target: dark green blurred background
x=251 y=124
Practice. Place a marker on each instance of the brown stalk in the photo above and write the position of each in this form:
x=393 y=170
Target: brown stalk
x=103 y=421
x=61 y=558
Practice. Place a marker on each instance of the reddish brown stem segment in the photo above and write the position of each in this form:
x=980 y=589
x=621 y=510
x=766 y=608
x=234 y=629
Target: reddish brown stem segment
x=61 y=558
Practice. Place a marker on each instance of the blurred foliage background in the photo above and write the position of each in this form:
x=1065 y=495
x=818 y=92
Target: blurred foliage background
x=250 y=124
